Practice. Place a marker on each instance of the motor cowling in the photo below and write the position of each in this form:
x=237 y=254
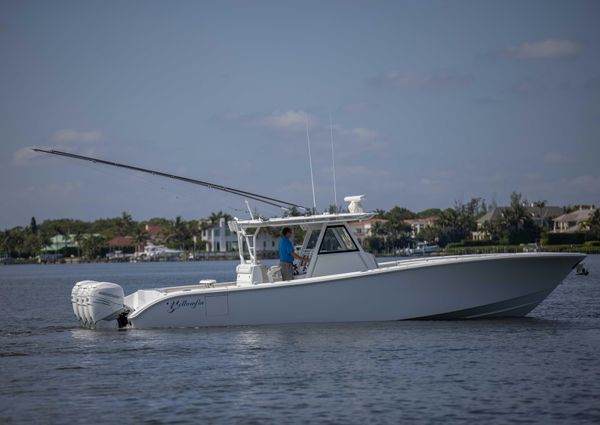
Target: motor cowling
x=95 y=301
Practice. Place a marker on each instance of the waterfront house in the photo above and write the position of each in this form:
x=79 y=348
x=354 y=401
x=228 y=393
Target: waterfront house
x=155 y=233
x=574 y=221
x=59 y=242
x=219 y=238
x=542 y=216
x=418 y=224
x=121 y=243
x=363 y=229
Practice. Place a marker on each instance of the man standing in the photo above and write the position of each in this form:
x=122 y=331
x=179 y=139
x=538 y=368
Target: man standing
x=287 y=254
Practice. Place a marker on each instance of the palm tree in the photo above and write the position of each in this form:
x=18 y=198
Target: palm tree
x=516 y=222
x=14 y=241
x=379 y=213
x=515 y=215
x=78 y=239
x=5 y=243
x=214 y=218
x=178 y=233
x=125 y=224
x=140 y=237
x=92 y=245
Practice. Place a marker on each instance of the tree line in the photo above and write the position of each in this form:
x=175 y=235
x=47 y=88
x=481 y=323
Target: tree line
x=515 y=225
x=90 y=237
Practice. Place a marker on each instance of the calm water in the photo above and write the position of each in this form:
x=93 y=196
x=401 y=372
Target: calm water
x=542 y=369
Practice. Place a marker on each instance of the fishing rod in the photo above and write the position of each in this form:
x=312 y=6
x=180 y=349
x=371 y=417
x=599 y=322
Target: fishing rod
x=255 y=196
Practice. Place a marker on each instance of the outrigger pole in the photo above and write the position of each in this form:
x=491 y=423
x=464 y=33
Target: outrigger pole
x=260 y=198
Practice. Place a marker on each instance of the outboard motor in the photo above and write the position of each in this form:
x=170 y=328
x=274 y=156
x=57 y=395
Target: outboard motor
x=95 y=301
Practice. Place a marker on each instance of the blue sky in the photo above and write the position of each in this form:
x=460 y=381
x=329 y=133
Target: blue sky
x=432 y=103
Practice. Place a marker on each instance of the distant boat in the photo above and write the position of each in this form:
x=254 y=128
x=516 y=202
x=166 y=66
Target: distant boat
x=157 y=252
x=581 y=270
x=423 y=248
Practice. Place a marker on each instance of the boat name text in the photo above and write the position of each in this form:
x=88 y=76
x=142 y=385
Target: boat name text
x=175 y=305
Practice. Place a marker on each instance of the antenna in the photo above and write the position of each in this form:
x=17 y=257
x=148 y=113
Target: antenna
x=249 y=209
x=333 y=162
x=312 y=180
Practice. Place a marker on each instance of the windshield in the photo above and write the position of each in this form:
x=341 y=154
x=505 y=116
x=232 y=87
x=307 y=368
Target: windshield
x=337 y=239
x=312 y=239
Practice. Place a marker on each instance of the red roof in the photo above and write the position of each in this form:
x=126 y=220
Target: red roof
x=121 y=241
x=153 y=230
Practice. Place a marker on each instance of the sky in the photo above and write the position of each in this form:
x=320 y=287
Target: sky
x=431 y=103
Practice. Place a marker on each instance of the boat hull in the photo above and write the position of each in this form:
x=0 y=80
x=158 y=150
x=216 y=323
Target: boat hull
x=447 y=288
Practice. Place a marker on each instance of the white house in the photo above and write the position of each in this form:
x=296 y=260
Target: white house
x=418 y=224
x=219 y=238
x=541 y=216
x=363 y=229
x=575 y=221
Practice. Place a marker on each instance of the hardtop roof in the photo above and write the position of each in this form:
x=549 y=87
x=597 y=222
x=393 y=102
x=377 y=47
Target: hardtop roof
x=300 y=220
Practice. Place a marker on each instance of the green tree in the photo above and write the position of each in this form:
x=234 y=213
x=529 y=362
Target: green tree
x=379 y=213
x=398 y=214
x=33 y=226
x=593 y=225
x=78 y=238
x=516 y=224
x=140 y=237
x=458 y=223
x=215 y=217
x=92 y=246
x=125 y=224
x=14 y=242
x=396 y=230
x=178 y=234
x=429 y=212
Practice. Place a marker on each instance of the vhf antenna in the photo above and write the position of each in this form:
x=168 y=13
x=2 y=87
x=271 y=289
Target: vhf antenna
x=255 y=196
x=312 y=180
x=333 y=163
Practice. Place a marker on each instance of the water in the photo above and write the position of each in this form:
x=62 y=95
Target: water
x=540 y=369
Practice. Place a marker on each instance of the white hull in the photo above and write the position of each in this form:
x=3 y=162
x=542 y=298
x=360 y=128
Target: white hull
x=499 y=285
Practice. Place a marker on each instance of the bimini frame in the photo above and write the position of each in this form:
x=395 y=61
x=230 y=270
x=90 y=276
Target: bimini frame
x=243 y=228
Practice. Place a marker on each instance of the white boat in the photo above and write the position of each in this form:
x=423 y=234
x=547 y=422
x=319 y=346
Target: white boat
x=157 y=252
x=423 y=248
x=340 y=283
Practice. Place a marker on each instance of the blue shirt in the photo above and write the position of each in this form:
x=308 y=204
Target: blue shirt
x=285 y=250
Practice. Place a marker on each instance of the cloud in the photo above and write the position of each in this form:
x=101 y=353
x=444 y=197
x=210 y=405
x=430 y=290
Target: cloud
x=67 y=140
x=358 y=106
x=557 y=158
x=361 y=134
x=545 y=49
x=586 y=184
x=353 y=141
x=71 y=136
x=414 y=80
x=25 y=155
x=289 y=120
